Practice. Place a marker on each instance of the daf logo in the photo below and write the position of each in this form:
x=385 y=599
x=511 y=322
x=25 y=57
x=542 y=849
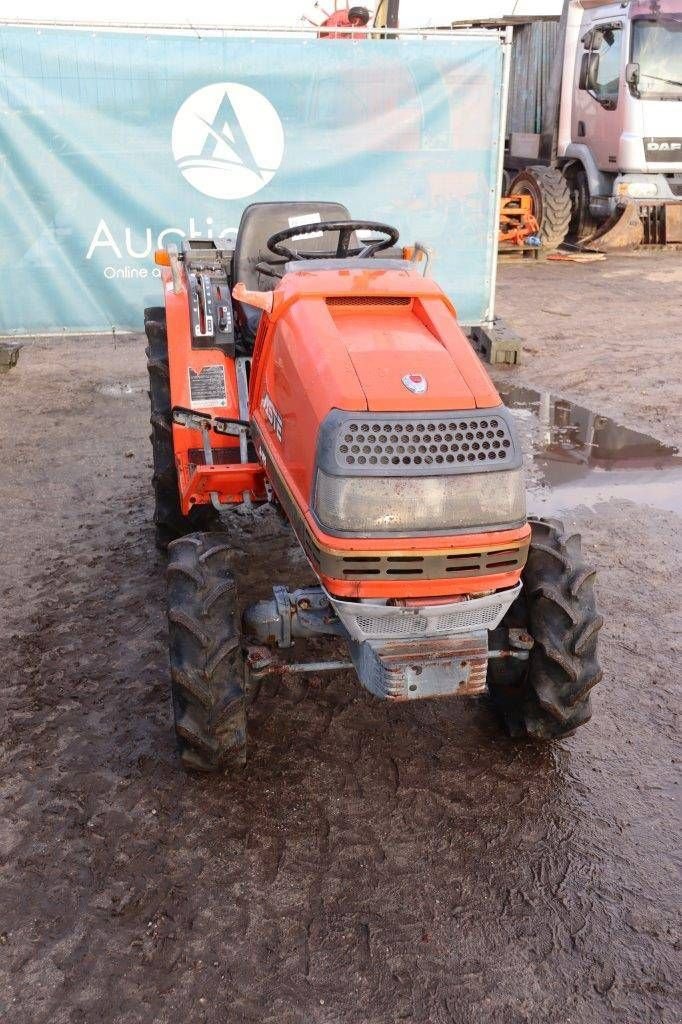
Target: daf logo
x=664 y=147
x=227 y=140
x=416 y=383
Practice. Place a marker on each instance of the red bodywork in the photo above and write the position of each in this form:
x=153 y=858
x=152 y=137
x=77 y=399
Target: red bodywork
x=341 y=339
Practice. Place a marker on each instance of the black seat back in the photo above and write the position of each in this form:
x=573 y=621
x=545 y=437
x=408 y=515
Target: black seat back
x=260 y=220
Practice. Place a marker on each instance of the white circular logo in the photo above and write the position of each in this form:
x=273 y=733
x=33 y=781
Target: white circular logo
x=416 y=383
x=227 y=140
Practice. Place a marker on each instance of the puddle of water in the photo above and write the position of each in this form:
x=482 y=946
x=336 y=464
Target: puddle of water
x=575 y=456
x=117 y=389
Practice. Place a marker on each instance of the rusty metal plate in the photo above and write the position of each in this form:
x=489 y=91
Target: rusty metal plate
x=416 y=669
x=673 y=222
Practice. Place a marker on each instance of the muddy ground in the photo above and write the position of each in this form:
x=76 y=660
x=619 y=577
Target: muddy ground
x=372 y=864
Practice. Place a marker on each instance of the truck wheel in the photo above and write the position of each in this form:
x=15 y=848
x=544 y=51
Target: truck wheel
x=551 y=201
x=206 y=662
x=168 y=517
x=548 y=696
x=582 y=224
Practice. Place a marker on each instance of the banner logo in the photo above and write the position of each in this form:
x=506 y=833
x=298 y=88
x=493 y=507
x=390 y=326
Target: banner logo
x=227 y=140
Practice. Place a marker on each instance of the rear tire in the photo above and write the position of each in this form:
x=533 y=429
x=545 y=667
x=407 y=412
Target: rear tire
x=168 y=517
x=548 y=696
x=206 y=662
x=551 y=201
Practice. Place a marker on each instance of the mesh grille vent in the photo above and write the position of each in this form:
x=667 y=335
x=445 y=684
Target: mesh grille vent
x=424 y=442
x=365 y=620
x=393 y=625
x=418 y=625
x=368 y=300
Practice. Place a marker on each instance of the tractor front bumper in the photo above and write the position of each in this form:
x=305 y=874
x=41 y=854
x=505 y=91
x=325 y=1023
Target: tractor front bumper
x=400 y=652
x=413 y=650
x=416 y=620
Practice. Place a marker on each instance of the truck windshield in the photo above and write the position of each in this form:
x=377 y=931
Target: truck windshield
x=657 y=48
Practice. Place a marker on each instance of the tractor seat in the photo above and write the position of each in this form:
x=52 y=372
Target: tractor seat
x=259 y=221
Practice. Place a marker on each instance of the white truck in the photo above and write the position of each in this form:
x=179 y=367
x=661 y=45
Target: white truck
x=594 y=115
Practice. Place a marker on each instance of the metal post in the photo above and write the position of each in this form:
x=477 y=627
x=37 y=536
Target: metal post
x=506 y=66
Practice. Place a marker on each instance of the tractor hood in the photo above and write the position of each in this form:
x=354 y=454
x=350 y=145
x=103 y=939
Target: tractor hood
x=401 y=366
x=383 y=342
x=399 y=337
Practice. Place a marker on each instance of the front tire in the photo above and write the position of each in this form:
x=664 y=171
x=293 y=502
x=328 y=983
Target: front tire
x=548 y=696
x=206 y=661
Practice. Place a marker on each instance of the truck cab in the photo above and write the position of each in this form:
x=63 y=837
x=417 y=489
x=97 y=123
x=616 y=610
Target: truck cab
x=620 y=116
x=594 y=114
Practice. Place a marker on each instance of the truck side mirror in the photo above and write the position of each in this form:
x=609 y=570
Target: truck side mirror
x=632 y=73
x=589 y=67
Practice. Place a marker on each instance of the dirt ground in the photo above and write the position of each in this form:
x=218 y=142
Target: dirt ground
x=373 y=863
x=608 y=333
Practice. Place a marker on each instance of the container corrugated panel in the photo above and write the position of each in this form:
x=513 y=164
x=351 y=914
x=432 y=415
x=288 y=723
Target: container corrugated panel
x=533 y=52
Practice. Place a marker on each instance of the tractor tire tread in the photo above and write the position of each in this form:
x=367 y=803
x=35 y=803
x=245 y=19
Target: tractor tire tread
x=549 y=696
x=168 y=517
x=207 y=668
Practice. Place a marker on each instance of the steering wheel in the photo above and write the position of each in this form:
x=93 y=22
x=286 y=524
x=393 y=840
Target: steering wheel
x=345 y=229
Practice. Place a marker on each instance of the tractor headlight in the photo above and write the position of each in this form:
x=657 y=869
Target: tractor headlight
x=414 y=504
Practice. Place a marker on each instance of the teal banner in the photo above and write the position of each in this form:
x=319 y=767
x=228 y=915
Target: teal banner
x=113 y=144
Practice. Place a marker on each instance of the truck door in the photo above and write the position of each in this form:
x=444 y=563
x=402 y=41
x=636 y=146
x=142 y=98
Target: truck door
x=597 y=112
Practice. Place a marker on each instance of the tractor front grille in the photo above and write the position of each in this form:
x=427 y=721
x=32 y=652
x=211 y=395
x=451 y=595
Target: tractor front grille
x=424 y=442
x=431 y=566
x=365 y=620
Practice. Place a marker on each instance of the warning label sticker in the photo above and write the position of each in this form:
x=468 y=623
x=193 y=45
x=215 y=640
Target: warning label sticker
x=207 y=386
x=305 y=218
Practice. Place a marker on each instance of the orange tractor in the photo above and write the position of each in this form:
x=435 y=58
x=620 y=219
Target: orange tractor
x=314 y=366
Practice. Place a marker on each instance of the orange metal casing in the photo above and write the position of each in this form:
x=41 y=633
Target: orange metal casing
x=324 y=346
x=197 y=481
